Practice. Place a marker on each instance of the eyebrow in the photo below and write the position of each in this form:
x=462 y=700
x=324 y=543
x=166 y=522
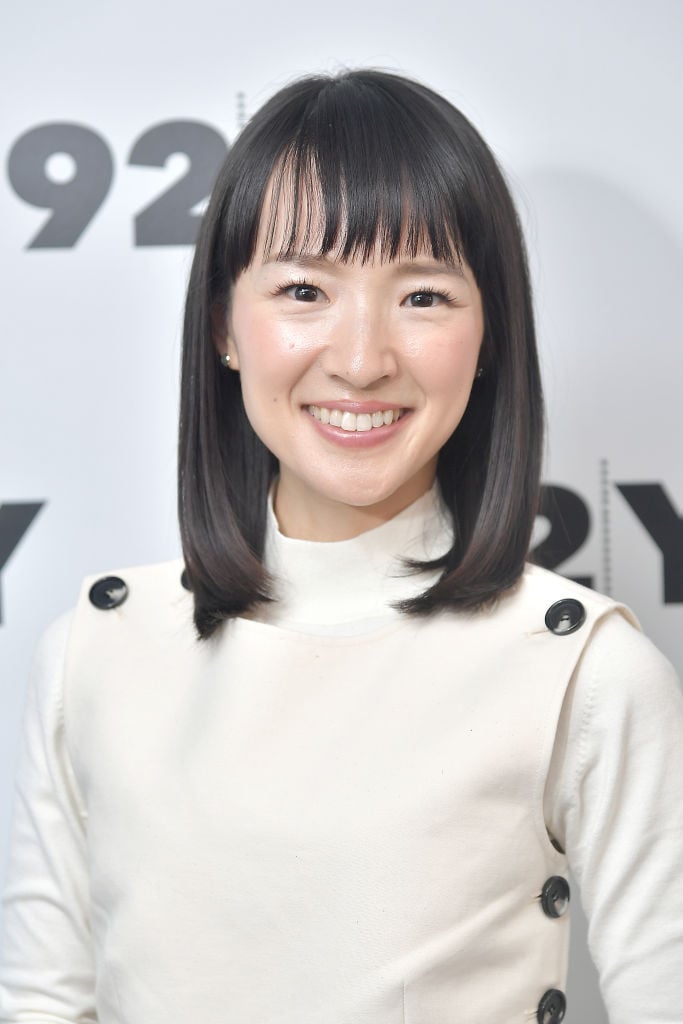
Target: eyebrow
x=436 y=267
x=402 y=268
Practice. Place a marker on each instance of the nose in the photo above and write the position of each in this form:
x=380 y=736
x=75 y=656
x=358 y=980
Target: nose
x=361 y=349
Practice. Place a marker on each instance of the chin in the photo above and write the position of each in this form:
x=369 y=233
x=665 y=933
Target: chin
x=369 y=493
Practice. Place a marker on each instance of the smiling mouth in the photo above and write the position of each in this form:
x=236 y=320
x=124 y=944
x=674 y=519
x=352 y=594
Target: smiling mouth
x=352 y=422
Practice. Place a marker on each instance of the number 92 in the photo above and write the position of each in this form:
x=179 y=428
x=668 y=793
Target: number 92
x=168 y=220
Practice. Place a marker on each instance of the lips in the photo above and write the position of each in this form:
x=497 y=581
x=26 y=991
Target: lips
x=354 y=422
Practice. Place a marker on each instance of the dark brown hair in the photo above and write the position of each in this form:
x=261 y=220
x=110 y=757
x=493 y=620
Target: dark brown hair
x=411 y=169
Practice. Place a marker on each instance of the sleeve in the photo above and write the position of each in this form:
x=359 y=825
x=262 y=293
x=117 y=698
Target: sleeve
x=46 y=959
x=614 y=800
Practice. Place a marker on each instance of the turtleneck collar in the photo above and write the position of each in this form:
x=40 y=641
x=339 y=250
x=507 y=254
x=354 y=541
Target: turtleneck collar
x=323 y=584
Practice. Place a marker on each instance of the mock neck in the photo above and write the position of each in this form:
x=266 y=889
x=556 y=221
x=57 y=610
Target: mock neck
x=322 y=584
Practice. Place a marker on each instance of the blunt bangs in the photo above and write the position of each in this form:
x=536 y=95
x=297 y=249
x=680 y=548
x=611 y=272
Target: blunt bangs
x=355 y=177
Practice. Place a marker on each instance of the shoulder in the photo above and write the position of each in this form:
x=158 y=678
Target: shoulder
x=137 y=593
x=618 y=650
x=539 y=585
x=621 y=731
x=623 y=685
x=143 y=605
x=131 y=629
x=544 y=601
x=625 y=674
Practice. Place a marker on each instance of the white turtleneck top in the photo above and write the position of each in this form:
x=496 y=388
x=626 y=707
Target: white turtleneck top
x=613 y=793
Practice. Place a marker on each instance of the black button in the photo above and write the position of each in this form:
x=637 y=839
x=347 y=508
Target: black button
x=552 y=1007
x=565 y=616
x=109 y=592
x=555 y=896
x=184 y=580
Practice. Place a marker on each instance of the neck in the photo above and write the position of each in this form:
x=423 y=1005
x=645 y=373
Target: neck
x=330 y=585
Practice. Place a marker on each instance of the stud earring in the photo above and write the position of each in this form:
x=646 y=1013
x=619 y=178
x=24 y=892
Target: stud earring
x=225 y=359
x=479 y=373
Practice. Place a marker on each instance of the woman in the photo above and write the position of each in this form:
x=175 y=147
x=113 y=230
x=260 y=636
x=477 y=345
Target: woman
x=333 y=766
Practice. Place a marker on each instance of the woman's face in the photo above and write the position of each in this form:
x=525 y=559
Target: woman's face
x=353 y=375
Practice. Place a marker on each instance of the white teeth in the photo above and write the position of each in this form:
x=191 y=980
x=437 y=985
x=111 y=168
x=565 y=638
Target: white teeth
x=354 y=422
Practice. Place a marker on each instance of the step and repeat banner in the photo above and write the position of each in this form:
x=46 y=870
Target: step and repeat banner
x=115 y=118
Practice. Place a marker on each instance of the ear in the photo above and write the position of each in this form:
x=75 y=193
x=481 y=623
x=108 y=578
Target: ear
x=223 y=339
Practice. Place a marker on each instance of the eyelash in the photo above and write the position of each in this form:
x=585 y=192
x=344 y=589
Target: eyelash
x=298 y=282
x=301 y=282
x=447 y=297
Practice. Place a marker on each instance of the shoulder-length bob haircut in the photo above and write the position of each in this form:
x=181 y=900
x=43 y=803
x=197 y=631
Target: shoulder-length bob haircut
x=391 y=166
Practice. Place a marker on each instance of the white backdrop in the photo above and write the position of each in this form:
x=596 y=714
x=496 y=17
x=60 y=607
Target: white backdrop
x=582 y=104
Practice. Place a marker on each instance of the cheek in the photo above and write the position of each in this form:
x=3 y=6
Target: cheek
x=274 y=355
x=271 y=349
x=445 y=373
x=446 y=368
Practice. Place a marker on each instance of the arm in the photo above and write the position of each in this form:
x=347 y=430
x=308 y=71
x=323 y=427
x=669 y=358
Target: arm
x=46 y=960
x=614 y=800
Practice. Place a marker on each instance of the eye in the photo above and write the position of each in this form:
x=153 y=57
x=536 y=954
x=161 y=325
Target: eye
x=299 y=290
x=426 y=298
x=421 y=299
x=302 y=292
